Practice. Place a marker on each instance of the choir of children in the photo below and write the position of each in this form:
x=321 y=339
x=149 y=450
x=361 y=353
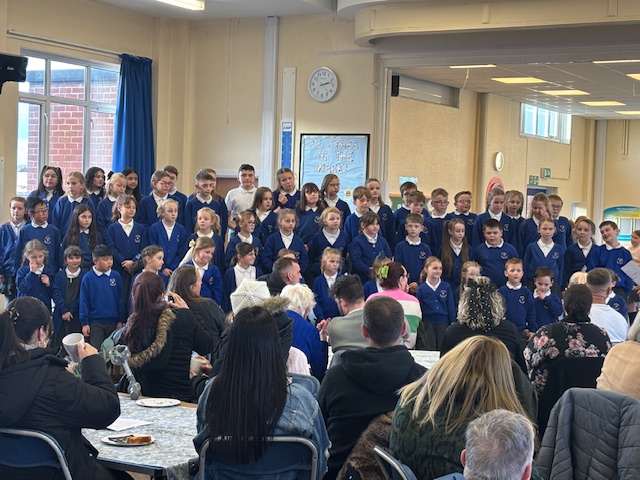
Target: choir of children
x=530 y=260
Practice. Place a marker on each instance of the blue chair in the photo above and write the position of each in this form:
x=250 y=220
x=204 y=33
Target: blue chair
x=283 y=454
x=307 y=381
x=392 y=468
x=29 y=449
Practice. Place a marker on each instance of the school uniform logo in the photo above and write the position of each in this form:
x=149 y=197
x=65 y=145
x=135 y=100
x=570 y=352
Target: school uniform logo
x=443 y=294
x=562 y=228
x=210 y=280
x=47 y=239
x=297 y=255
x=616 y=306
x=619 y=261
x=423 y=255
x=470 y=221
x=504 y=255
x=317 y=220
x=521 y=299
x=425 y=229
x=385 y=216
x=112 y=282
x=505 y=227
x=555 y=255
x=137 y=239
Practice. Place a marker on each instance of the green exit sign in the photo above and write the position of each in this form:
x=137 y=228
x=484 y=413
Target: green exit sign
x=545 y=173
x=534 y=180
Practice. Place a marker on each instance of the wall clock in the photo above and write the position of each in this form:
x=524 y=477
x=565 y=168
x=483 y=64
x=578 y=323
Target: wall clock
x=323 y=84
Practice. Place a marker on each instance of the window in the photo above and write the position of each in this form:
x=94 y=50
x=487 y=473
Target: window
x=541 y=123
x=66 y=115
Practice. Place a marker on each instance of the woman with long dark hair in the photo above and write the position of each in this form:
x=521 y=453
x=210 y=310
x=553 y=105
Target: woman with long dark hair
x=161 y=337
x=40 y=394
x=250 y=399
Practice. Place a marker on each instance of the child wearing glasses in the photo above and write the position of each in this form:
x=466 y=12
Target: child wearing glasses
x=146 y=213
x=462 y=204
x=439 y=202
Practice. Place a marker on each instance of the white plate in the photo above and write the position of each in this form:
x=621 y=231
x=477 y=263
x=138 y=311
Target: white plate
x=158 y=402
x=113 y=440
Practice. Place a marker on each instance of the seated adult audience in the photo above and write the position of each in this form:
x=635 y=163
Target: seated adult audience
x=161 y=337
x=306 y=337
x=251 y=293
x=599 y=282
x=365 y=384
x=429 y=422
x=251 y=400
x=40 y=394
x=286 y=271
x=573 y=336
x=345 y=332
x=394 y=283
x=621 y=368
x=481 y=311
x=498 y=444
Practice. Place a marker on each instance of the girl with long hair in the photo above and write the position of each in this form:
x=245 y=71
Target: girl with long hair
x=266 y=214
x=76 y=194
x=454 y=253
x=83 y=233
x=95 y=179
x=50 y=186
x=253 y=379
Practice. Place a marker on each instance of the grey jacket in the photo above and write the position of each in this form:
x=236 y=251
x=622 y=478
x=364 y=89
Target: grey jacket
x=592 y=434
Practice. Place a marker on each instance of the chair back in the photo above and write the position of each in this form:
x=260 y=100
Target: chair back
x=307 y=381
x=566 y=373
x=392 y=468
x=283 y=454
x=32 y=454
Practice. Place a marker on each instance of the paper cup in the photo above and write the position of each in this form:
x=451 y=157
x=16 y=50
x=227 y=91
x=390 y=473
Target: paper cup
x=196 y=364
x=70 y=344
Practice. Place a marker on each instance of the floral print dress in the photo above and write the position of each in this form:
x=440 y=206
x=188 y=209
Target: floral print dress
x=562 y=339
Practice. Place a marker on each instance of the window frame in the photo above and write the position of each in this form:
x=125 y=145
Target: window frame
x=556 y=128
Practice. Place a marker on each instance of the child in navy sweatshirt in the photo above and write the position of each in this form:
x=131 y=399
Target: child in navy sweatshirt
x=101 y=298
x=412 y=251
x=544 y=253
x=147 y=210
x=548 y=305
x=520 y=307
x=34 y=279
x=66 y=295
x=367 y=246
x=436 y=302
x=8 y=238
x=612 y=255
x=39 y=229
x=493 y=253
x=170 y=235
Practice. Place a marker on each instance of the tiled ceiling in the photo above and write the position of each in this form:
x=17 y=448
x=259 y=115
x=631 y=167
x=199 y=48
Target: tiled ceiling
x=602 y=81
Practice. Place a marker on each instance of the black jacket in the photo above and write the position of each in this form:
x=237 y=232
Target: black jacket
x=211 y=318
x=364 y=385
x=162 y=368
x=41 y=395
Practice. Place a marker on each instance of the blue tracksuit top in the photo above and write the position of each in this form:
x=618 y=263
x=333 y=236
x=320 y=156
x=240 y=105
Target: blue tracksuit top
x=614 y=259
x=412 y=257
x=58 y=294
x=437 y=305
x=61 y=214
x=174 y=248
x=104 y=213
x=534 y=258
x=8 y=240
x=363 y=253
x=274 y=244
x=211 y=283
x=191 y=212
x=509 y=229
x=126 y=247
x=29 y=284
x=326 y=306
x=101 y=298
x=520 y=308
x=468 y=220
x=492 y=260
x=575 y=261
x=218 y=253
x=427 y=235
x=548 y=309
x=309 y=223
x=49 y=236
x=231 y=250
x=319 y=242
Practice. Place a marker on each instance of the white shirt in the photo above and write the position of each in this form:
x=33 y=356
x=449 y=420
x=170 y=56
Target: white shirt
x=613 y=322
x=168 y=230
x=434 y=287
x=72 y=200
x=331 y=203
x=371 y=240
x=111 y=198
x=209 y=235
x=456 y=248
x=127 y=227
x=241 y=273
x=200 y=269
x=331 y=280
x=72 y=275
x=497 y=216
x=585 y=250
x=262 y=215
x=159 y=200
x=439 y=216
x=35 y=225
x=286 y=240
x=16 y=228
x=513 y=287
x=238 y=199
x=248 y=239
x=202 y=200
x=546 y=249
x=536 y=295
x=107 y=273
x=415 y=244
x=495 y=246
x=331 y=237
x=374 y=208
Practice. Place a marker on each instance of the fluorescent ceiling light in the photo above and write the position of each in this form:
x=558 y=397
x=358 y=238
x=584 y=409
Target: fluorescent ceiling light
x=559 y=93
x=635 y=76
x=629 y=112
x=188 y=4
x=488 y=65
x=615 y=61
x=606 y=103
x=518 y=80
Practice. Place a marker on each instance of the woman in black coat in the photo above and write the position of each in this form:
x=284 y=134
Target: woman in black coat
x=38 y=392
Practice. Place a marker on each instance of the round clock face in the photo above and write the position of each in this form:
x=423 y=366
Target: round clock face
x=323 y=84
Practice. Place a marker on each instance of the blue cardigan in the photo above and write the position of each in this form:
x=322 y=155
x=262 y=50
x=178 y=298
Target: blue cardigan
x=326 y=306
x=49 y=236
x=126 y=247
x=548 y=309
x=309 y=223
x=191 y=212
x=58 y=294
x=613 y=259
x=468 y=220
x=211 y=283
x=147 y=211
x=29 y=284
x=437 y=306
x=229 y=286
x=575 y=261
x=218 y=253
x=8 y=241
x=274 y=244
x=387 y=225
x=266 y=227
x=231 y=250
x=363 y=253
x=316 y=248
x=61 y=214
x=534 y=258
x=174 y=248
x=104 y=213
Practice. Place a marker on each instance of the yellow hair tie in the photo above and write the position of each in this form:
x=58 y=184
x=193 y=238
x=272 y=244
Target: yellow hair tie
x=192 y=243
x=383 y=271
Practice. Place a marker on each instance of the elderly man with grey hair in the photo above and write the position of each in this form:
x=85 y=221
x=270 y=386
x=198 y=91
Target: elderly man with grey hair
x=499 y=446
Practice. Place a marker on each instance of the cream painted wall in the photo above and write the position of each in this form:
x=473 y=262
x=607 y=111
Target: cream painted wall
x=435 y=143
x=443 y=142
x=621 y=181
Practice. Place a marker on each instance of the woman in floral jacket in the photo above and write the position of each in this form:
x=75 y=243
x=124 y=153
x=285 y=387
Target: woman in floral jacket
x=574 y=336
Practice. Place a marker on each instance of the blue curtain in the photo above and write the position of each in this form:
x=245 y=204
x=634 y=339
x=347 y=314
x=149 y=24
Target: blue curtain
x=133 y=134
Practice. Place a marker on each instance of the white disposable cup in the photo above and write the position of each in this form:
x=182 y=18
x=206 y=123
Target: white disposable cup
x=70 y=344
x=196 y=364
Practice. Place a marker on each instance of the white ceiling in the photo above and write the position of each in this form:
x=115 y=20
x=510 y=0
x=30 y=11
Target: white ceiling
x=561 y=58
